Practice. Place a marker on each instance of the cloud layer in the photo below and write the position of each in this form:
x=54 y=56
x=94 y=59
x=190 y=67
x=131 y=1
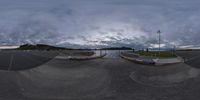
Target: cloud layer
x=100 y=23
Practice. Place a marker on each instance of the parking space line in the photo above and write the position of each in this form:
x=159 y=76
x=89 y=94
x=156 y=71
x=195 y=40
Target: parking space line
x=11 y=61
x=195 y=57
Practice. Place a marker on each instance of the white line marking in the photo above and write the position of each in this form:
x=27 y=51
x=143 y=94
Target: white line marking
x=195 y=57
x=11 y=61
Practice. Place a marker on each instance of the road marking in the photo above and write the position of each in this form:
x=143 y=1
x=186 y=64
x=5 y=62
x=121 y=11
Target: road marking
x=11 y=61
x=195 y=57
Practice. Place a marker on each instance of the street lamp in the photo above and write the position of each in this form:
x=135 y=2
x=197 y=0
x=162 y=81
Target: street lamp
x=159 y=42
x=174 y=49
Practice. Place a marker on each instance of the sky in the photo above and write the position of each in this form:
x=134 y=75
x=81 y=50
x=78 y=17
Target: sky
x=100 y=23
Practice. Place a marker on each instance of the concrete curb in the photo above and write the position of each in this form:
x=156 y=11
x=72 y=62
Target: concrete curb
x=176 y=61
x=86 y=58
x=61 y=57
x=139 y=61
x=65 y=57
x=156 y=63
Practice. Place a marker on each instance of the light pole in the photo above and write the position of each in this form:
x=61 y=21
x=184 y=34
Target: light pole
x=174 y=49
x=159 y=42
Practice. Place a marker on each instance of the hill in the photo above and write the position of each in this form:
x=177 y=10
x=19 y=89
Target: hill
x=39 y=47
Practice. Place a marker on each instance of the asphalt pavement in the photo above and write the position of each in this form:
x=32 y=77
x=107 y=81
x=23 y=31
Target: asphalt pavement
x=192 y=58
x=108 y=78
x=20 y=60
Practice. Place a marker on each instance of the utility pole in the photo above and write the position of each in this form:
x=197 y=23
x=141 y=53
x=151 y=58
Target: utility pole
x=174 y=49
x=159 y=42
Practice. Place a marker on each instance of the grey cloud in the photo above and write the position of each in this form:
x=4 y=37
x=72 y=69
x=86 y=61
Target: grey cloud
x=122 y=23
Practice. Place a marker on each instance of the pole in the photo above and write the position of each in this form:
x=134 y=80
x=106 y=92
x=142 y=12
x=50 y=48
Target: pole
x=174 y=49
x=159 y=43
x=100 y=52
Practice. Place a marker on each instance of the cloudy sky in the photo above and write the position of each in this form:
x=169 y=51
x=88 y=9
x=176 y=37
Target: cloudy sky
x=100 y=23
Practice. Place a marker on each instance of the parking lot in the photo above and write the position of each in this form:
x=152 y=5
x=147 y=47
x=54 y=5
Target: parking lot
x=108 y=78
x=19 y=60
x=192 y=58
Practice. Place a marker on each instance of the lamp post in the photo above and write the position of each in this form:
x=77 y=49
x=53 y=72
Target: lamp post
x=174 y=51
x=159 y=42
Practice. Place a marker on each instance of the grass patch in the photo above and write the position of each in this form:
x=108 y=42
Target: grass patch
x=156 y=53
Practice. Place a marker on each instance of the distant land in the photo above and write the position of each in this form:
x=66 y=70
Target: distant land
x=118 y=48
x=49 y=47
x=40 y=47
